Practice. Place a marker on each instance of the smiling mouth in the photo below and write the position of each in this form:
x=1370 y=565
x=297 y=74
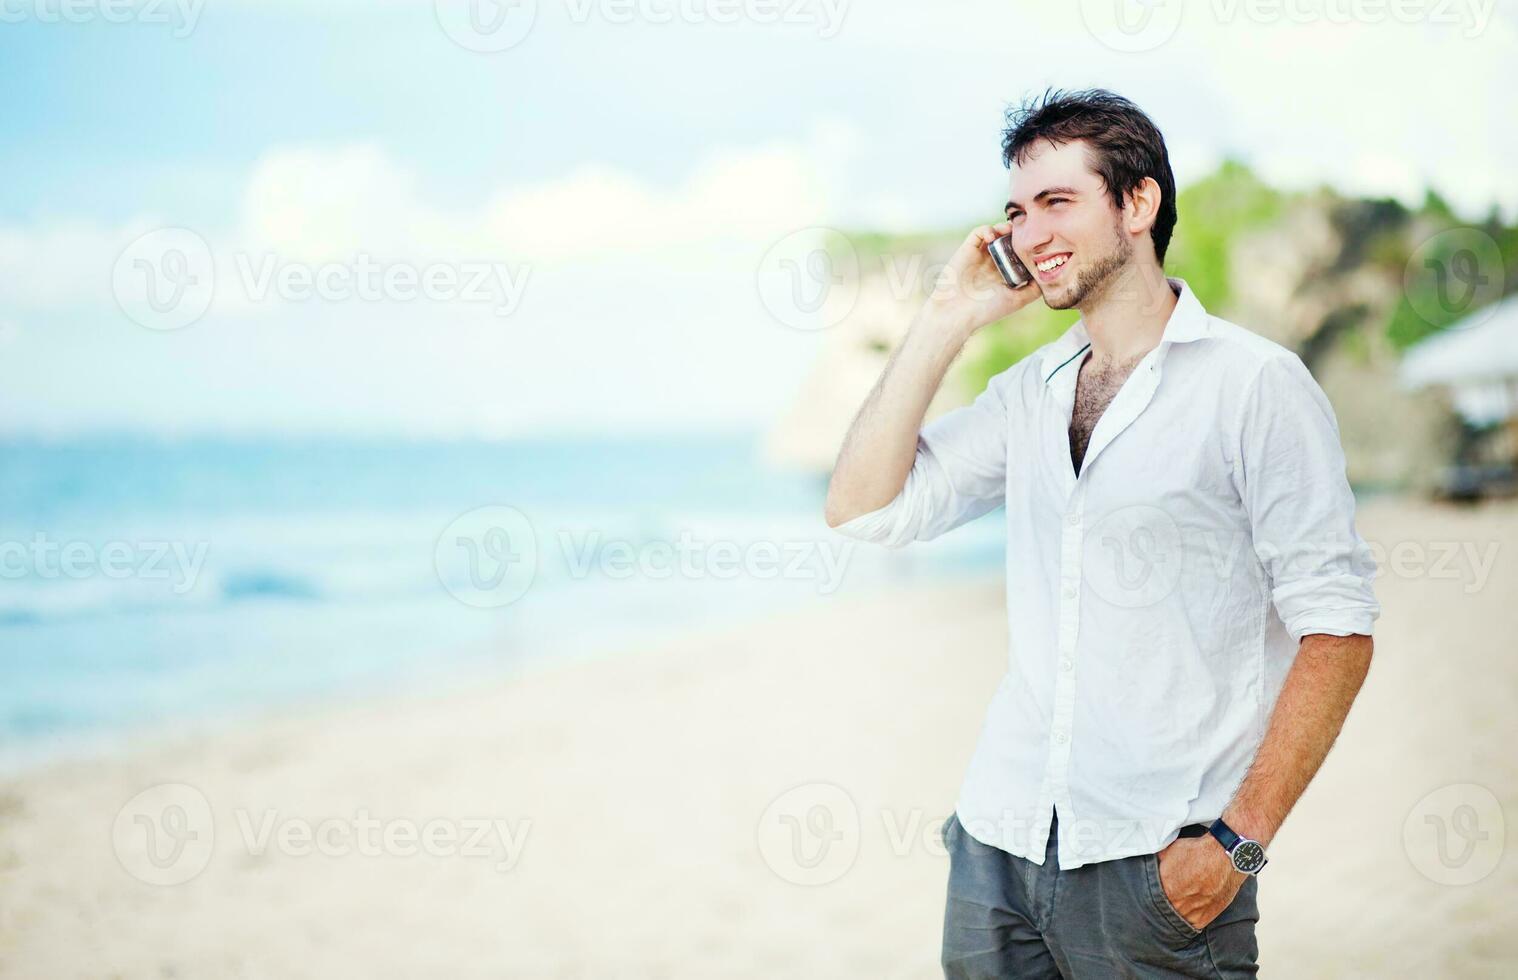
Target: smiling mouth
x=1049 y=268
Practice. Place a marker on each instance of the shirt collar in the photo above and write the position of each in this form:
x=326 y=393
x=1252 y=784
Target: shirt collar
x=1188 y=322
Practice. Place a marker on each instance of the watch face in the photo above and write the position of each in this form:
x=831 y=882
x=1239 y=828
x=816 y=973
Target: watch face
x=1248 y=856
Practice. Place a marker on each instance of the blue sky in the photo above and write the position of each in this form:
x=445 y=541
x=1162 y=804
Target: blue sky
x=638 y=170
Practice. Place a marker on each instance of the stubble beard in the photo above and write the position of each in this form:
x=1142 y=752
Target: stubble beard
x=1096 y=276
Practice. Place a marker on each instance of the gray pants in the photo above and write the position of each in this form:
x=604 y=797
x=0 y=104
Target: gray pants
x=1009 y=917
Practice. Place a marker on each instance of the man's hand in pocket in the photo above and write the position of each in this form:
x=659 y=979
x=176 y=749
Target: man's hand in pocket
x=1198 y=877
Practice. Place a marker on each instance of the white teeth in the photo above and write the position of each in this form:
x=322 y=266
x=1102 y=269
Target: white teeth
x=1053 y=263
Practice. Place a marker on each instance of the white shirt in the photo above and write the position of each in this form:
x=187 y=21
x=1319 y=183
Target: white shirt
x=1155 y=602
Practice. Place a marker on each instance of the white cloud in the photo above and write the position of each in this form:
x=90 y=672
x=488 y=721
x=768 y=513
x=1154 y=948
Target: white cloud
x=637 y=292
x=315 y=205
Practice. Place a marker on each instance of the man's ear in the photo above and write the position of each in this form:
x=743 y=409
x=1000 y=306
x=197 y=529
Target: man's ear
x=1143 y=206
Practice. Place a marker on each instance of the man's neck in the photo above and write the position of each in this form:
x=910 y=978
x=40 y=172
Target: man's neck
x=1128 y=316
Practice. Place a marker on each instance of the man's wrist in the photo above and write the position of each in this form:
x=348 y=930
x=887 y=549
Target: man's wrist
x=945 y=321
x=1250 y=824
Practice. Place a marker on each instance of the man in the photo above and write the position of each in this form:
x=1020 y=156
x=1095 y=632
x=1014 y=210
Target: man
x=1189 y=603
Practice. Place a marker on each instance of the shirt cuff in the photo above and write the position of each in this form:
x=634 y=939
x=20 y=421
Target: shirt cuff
x=1333 y=622
x=879 y=526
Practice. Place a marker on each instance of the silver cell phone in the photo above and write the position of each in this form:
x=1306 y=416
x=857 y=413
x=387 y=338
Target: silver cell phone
x=1012 y=271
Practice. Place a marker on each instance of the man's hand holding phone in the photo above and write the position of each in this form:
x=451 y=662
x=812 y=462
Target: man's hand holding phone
x=970 y=291
x=881 y=448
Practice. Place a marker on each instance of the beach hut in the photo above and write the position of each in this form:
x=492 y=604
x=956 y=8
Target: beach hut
x=1477 y=360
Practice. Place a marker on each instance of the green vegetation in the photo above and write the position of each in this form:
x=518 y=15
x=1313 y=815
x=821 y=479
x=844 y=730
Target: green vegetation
x=1429 y=278
x=1213 y=213
x=1447 y=265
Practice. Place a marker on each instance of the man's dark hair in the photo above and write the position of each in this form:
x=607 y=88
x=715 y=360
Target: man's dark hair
x=1126 y=145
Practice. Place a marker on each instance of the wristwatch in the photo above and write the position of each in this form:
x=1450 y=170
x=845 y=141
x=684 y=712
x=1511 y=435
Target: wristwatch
x=1247 y=855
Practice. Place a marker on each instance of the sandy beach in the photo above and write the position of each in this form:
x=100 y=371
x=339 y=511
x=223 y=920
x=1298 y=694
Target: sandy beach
x=632 y=816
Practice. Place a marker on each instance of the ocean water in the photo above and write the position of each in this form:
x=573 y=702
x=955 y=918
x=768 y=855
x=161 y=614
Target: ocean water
x=149 y=586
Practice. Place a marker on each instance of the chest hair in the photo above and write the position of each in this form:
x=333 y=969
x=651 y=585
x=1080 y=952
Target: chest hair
x=1095 y=386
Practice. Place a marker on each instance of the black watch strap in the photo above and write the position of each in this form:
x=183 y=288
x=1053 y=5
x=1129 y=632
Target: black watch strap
x=1224 y=834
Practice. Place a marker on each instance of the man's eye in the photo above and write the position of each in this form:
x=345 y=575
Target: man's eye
x=1059 y=200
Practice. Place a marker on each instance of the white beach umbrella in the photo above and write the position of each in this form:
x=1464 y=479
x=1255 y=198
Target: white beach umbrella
x=1482 y=354
x=1478 y=362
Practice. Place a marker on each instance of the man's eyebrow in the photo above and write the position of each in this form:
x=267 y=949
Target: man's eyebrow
x=1047 y=192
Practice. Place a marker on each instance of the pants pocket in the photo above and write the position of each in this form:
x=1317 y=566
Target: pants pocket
x=947 y=828
x=1162 y=904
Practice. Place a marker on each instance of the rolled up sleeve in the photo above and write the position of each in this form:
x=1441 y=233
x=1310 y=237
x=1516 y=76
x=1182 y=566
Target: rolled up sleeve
x=959 y=474
x=1301 y=509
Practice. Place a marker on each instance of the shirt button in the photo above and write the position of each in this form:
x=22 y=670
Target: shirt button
x=1073 y=519
x=1060 y=737
x=1069 y=592
x=1066 y=663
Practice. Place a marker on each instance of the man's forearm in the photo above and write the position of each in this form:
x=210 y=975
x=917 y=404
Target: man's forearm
x=1314 y=701
x=881 y=444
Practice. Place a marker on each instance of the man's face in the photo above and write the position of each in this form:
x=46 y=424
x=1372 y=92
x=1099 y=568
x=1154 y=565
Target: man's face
x=1060 y=209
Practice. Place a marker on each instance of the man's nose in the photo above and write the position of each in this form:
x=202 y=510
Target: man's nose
x=1030 y=236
